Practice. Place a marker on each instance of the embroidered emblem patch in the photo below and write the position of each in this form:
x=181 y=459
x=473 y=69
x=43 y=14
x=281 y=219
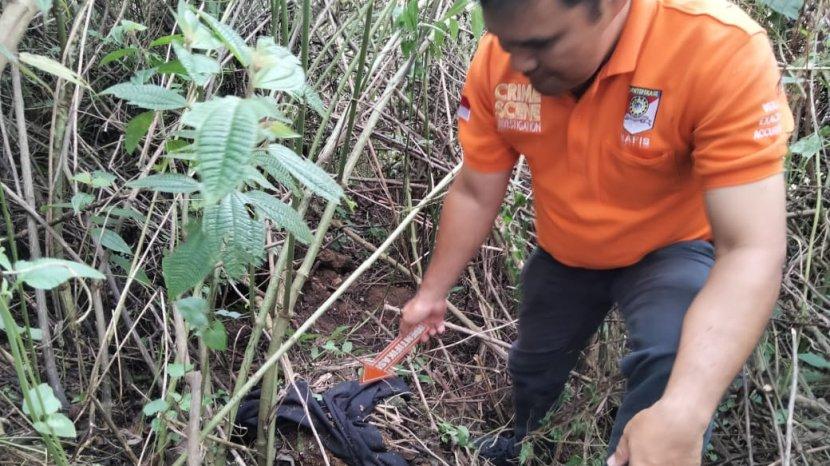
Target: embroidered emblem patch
x=642 y=109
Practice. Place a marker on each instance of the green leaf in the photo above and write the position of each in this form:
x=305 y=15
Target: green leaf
x=814 y=360
x=43 y=401
x=239 y=238
x=117 y=55
x=35 y=334
x=456 y=8
x=156 y=406
x=276 y=68
x=4 y=260
x=477 y=22
x=166 y=40
x=233 y=42
x=126 y=266
x=282 y=214
x=172 y=67
x=196 y=115
x=279 y=130
x=254 y=178
x=199 y=67
x=44 y=5
x=177 y=370
x=346 y=347
x=224 y=144
x=808 y=146
x=136 y=129
x=194 y=310
x=148 y=96
x=47 y=273
x=196 y=34
x=276 y=170
x=227 y=313
x=265 y=107
x=56 y=424
x=52 y=67
x=314 y=177
x=189 y=263
x=166 y=183
x=97 y=179
x=308 y=95
x=789 y=8
x=111 y=240
x=215 y=336
x=142 y=76
x=81 y=200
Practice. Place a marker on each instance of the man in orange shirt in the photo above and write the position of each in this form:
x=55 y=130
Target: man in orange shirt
x=654 y=131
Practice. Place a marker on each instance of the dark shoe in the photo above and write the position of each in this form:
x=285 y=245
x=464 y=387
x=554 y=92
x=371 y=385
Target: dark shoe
x=499 y=450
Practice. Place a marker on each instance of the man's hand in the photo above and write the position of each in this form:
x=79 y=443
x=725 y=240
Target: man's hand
x=667 y=433
x=426 y=309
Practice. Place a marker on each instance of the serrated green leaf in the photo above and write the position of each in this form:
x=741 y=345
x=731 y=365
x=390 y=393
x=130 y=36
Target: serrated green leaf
x=189 y=263
x=265 y=107
x=56 y=424
x=814 y=360
x=111 y=240
x=117 y=55
x=172 y=67
x=97 y=179
x=239 y=238
x=156 y=406
x=196 y=115
x=254 y=177
x=276 y=68
x=177 y=370
x=280 y=130
x=232 y=41
x=47 y=273
x=215 y=336
x=148 y=96
x=196 y=34
x=142 y=76
x=52 y=67
x=43 y=401
x=314 y=177
x=166 y=183
x=199 y=67
x=282 y=214
x=194 y=310
x=311 y=98
x=224 y=143
x=136 y=129
x=276 y=170
x=81 y=200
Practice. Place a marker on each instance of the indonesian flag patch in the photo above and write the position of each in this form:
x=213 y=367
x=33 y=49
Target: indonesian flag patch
x=642 y=109
x=464 y=110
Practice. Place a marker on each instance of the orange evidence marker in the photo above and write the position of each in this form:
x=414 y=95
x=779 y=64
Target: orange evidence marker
x=380 y=367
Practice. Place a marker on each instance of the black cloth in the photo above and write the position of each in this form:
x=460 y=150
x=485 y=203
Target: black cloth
x=339 y=418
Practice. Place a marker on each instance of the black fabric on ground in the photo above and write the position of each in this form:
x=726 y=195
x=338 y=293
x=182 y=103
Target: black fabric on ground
x=339 y=418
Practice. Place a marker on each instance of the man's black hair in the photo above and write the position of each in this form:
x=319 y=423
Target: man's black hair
x=593 y=6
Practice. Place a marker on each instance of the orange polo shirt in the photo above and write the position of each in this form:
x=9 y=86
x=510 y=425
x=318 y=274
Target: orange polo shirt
x=689 y=100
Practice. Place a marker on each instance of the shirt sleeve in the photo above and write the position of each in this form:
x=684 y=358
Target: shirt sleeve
x=744 y=120
x=484 y=148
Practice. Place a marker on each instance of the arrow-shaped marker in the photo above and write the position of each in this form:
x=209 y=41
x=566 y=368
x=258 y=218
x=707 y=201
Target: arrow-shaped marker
x=380 y=367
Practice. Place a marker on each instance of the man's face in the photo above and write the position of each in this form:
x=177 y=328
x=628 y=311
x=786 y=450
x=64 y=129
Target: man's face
x=557 y=47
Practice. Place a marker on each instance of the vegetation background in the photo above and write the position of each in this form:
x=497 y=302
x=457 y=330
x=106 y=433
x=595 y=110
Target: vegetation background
x=254 y=186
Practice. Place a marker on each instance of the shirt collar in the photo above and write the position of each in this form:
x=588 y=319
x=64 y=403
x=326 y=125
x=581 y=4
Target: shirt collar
x=627 y=51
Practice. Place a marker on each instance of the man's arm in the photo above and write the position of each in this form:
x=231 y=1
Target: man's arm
x=469 y=210
x=722 y=326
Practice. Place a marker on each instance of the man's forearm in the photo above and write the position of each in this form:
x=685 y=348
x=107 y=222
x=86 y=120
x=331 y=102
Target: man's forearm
x=722 y=327
x=465 y=224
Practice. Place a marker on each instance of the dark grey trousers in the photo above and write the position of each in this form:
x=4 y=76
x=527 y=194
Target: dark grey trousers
x=563 y=306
